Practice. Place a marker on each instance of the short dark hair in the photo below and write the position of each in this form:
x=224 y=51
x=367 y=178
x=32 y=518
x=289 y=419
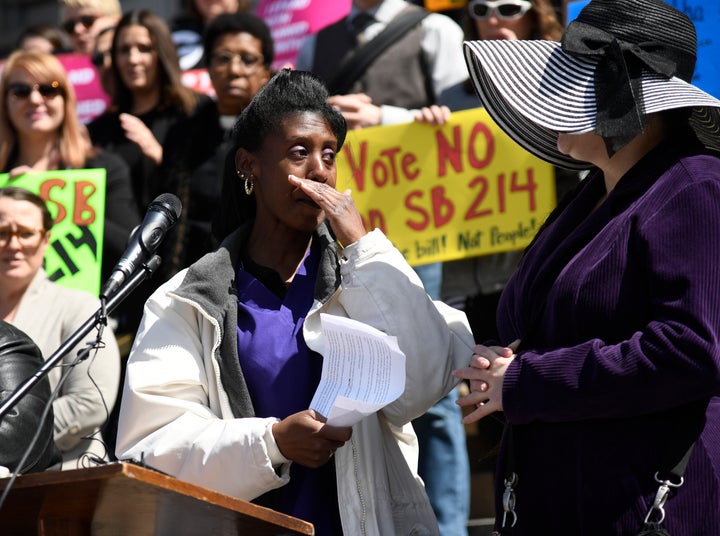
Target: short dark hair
x=21 y=194
x=235 y=23
x=286 y=94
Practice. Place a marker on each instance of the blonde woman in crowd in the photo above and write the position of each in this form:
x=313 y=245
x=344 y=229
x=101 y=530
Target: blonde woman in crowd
x=83 y=20
x=40 y=131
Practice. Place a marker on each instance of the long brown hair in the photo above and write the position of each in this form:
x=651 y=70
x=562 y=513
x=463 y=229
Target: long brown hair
x=172 y=90
x=73 y=145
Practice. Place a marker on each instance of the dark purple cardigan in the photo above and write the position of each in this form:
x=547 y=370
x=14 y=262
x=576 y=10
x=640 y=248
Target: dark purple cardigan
x=619 y=313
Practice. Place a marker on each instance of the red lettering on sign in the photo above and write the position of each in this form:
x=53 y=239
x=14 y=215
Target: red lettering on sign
x=358 y=170
x=479 y=162
x=83 y=213
x=529 y=186
x=45 y=192
x=447 y=152
x=390 y=172
x=422 y=213
x=474 y=211
x=408 y=160
x=443 y=208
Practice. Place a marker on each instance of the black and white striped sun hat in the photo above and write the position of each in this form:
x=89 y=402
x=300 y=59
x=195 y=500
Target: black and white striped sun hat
x=618 y=61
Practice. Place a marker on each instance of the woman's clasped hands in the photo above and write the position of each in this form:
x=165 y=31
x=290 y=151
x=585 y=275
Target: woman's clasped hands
x=485 y=375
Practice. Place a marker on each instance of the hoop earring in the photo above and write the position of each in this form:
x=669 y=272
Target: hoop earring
x=249 y=185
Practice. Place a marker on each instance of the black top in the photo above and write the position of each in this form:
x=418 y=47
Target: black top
x=20 y=358
x=106 y=132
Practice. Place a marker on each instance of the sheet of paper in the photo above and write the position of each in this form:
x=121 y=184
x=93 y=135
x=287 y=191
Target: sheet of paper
x=363 y=370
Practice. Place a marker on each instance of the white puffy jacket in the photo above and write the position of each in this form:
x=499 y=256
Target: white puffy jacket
x=186 y=409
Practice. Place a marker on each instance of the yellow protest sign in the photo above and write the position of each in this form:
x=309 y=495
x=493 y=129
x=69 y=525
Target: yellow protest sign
x=76 y=200
x=444 y=193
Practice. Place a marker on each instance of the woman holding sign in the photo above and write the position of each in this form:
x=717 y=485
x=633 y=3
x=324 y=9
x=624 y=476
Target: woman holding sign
x=40 y=131
x=228 y=354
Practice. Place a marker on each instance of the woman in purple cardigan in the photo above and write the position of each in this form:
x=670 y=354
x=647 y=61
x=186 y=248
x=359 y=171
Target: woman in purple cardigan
x=609 y=380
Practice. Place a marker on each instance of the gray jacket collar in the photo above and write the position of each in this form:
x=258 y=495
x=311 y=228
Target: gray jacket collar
x=210 y=283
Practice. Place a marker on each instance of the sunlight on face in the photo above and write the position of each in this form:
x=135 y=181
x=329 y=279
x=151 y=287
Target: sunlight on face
x=20 y=262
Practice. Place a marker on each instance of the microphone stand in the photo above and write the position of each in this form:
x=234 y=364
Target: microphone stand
x=100 y=317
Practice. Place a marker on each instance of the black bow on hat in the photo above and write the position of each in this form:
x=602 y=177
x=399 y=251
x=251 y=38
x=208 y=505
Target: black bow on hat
x=623 y=47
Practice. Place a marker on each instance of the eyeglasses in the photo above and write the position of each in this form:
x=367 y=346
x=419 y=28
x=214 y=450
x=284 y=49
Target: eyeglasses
x=86 y=20
x=251 y=62
x=27 y=238
x=503 y=9
x=47 y=91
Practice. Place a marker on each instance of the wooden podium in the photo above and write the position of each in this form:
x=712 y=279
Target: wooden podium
x=123 y=499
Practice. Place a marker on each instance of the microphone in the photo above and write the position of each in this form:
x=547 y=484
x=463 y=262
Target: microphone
x=162 y=214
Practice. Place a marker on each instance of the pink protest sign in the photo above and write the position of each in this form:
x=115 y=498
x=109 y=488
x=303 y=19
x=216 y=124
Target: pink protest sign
x=83 y=76
x=290 y=21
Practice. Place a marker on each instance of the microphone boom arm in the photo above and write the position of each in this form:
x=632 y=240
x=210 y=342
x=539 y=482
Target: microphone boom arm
x=135 y=279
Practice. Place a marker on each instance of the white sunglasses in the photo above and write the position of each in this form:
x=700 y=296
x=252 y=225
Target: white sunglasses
x=503 y=9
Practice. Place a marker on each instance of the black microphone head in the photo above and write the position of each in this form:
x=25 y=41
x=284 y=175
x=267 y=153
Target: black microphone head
x=171 y=203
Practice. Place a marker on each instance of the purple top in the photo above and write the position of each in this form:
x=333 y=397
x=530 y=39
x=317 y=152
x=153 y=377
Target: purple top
x=619 y=313
x=282 y=374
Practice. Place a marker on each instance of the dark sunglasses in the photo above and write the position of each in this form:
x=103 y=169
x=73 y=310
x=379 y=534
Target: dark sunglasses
x=47 y=91
x=503 y=9
x=85 y=20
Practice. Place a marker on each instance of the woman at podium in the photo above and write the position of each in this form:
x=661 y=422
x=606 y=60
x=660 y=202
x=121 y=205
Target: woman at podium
x=225 y=363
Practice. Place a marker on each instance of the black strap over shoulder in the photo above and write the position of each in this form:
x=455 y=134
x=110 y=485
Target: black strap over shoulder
x=358 y=60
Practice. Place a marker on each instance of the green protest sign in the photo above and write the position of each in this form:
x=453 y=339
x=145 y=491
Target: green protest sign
x=76 y=199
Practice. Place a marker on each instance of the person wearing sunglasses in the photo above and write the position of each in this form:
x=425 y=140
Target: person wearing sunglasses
x=40 y=131
x=512 y=19
x=83 y=20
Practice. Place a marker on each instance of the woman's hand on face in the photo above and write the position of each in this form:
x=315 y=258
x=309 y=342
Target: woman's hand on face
x=304 y=438
x=138 y=132
x=485 y=374
x=339 y=207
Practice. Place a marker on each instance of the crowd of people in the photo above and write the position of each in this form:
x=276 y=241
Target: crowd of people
x=595 y=351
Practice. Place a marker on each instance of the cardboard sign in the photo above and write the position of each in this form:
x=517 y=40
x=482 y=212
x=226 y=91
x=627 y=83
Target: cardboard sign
x=443 y=193
x=76 y=200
